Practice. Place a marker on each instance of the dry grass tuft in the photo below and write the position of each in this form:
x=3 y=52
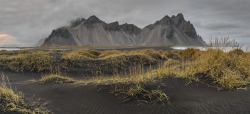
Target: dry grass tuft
x=56 y=79
x=85 y=54
x=29 y=62
x=25 y=52
x=14 y=101
x=138 y=92
x=190 y=53
x=227 y=70
x=132 y=86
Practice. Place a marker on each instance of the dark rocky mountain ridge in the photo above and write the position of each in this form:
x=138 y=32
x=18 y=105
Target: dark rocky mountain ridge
x=173 y=30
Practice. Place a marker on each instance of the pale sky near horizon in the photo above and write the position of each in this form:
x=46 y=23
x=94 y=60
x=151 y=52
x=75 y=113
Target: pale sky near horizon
x=25 y=22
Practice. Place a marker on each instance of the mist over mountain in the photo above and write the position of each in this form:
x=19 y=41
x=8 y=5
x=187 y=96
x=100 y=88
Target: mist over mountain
x=168 y=31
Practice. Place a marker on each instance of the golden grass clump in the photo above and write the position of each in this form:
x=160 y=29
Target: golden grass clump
x=54 y=51
x=133 y=85
x=42 y=60
x=14 y=101
x=191 y=53
x=121 y=61
x=104 y=60
x=236 y=52
x=172 y=55
x=139 y=93
x=4 y=52
x=109 y=53
x=25 y=51
x=228 y=70
x=79 y=54
x=56 y=79
x=28 y=62
x=157 y=55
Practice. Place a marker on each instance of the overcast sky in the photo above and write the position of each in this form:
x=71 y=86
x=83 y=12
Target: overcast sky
x=24 y=22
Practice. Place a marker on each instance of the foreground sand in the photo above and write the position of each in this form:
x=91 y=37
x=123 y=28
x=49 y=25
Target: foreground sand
x=65 y=99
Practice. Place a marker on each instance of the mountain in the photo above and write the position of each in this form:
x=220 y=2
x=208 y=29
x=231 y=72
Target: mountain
x=40 y=42
x=173 y=30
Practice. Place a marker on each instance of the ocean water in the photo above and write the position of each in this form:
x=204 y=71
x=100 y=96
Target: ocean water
x=10 y=49
x=226 y=49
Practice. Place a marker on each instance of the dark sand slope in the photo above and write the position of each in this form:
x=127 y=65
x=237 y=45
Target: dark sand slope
x=69 y=99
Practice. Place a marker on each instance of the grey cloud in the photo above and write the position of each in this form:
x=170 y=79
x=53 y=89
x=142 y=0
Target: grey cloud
x=221 y=26
x=31 y=20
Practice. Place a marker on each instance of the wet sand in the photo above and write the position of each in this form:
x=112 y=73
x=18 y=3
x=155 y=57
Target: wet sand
x=71 y=99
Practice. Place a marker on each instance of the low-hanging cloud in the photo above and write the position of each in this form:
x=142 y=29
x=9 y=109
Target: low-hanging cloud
x=31 y=20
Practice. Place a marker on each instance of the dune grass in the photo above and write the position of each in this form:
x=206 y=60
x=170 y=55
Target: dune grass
x=226 y=69
x=56 y=79
x=12 y=101
x=136 y=84
x=101 y=55
x=42 y=60
x=214 y=67
x=140 y=93
x=27 y=61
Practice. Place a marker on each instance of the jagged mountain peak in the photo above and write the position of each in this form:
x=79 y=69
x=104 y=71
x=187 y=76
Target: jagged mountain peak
x=180 y=15
x=115 y=23
x=89 y=23
x=94 y=19
x=130 y=25
x=165 y=20
x=179 y=19
x=130 y=28
x=77 y=22
x=114 y=26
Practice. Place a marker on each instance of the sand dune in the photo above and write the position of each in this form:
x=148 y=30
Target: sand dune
x=193 y=98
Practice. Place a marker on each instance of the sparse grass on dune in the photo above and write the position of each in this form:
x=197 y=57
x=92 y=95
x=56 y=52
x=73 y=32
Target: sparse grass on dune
x=104 y=60
x=25 y=52
x=82 y=54
x=131 y=86
x=135 y=76
x=136 y=85
x=110 y=53
x=42 y=60
x=215 y=67
x=56 y=79
x=27 y=62
x=93 y=54
x=227 y=70
x=12 y=101
x=140 y=93
x=190 y=53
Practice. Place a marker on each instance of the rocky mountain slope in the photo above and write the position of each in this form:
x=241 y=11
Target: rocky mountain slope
x=173 y=30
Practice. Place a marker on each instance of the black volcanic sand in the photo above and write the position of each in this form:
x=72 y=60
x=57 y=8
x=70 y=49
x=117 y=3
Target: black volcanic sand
x=71 y=99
